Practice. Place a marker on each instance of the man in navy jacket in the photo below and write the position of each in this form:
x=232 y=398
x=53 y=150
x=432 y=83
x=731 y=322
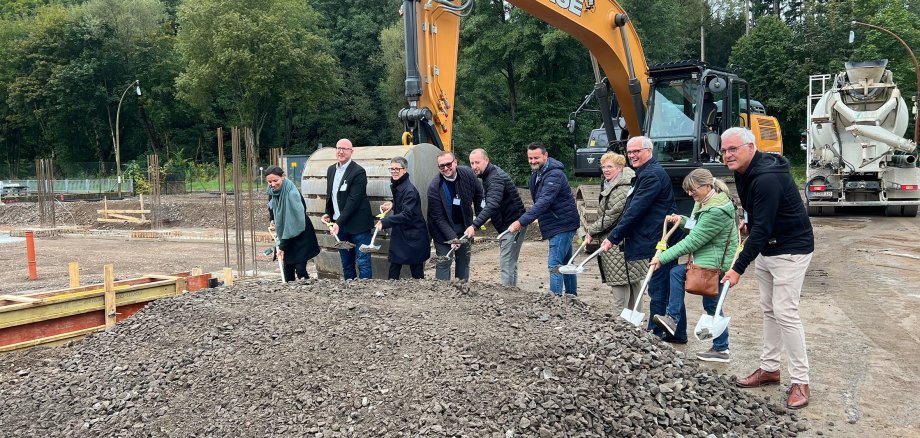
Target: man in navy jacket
x=554 y=207
x=650 y=200
x=454 y=198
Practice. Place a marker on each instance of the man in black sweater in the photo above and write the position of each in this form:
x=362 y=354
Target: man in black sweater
x=502 y=205
x=780 y=243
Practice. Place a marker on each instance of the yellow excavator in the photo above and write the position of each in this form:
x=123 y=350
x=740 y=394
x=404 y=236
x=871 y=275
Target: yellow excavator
x=681 y=106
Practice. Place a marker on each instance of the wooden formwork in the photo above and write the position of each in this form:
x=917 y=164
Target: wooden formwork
x=53 y=316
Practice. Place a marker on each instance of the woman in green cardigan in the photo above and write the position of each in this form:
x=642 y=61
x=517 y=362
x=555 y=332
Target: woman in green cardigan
x=711 y=224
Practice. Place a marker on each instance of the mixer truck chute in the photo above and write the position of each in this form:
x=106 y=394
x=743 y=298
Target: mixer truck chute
x=857 y=155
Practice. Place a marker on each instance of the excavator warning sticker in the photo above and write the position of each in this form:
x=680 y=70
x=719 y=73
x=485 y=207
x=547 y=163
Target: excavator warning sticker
x=574 y=6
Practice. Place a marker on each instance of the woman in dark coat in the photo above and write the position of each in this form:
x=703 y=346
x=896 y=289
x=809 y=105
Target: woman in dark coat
x=409 y=242
x=295 y=236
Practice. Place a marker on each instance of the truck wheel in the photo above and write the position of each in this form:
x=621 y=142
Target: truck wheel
x=901 y=210
x=820 y=210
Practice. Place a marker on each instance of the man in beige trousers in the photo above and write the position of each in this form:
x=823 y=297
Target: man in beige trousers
x=780 y=244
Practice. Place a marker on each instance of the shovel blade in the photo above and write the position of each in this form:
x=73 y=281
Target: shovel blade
x=565 y=269
x=571 y=269
x=344 y=245
x=703 y=330
x=635 y=318
x=369 y=248
x=711 y=327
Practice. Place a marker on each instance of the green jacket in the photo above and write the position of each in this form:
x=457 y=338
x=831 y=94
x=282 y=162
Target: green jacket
x=715 y=222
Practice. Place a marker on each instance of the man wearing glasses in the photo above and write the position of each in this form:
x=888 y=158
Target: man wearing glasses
x=348 y=207
x=554 y=206
x=454 y=198
x=647 y=204
x=780 y=243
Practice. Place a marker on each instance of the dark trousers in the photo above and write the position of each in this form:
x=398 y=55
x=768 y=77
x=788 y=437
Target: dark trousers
x=417 y=270
x=300 y=269
x=659 y=288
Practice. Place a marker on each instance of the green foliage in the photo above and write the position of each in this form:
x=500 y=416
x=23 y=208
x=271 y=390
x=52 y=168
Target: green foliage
x=771 y=64
x=246 y=58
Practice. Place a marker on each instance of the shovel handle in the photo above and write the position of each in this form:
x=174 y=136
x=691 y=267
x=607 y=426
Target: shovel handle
x=583 y=244
x=593 y=255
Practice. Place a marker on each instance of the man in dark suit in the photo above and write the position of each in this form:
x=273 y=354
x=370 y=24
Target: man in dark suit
x=454 y=198
x=347 y=206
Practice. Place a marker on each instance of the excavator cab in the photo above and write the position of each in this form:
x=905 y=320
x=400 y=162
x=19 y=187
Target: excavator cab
x=690 y=104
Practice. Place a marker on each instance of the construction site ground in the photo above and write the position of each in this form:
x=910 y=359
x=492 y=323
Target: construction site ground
x=860 y=303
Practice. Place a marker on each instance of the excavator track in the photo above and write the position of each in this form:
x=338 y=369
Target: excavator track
x=376 y=161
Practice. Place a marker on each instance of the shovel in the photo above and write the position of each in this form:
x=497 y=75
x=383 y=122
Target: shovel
x=570 y=266
x=460 y=240
x=633 y=315
x=712 y=326
x=275 y=250
x=445 y=258
x=371 y=247
x=338 y=243
x=502 y=234
x=569 y=269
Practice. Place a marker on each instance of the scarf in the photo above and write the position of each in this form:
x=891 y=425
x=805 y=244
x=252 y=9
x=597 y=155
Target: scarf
x=290 y=217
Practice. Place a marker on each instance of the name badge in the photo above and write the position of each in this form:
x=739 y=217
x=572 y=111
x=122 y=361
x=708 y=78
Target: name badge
x=690 y=223
x=343 y=187
x=629 y=193
x=456 y=201
x=482 y=204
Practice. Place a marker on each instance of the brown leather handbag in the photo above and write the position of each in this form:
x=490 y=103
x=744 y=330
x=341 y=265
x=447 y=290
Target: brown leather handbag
x=705 y=281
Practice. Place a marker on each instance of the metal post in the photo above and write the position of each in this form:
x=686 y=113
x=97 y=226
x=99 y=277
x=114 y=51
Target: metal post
x=118 y=133
x=222 y=183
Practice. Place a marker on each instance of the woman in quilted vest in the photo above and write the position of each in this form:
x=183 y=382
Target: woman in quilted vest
x=625 y=278
x=712 y=239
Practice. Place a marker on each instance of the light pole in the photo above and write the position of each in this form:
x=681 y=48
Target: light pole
x=137 y=87
x=916 y=70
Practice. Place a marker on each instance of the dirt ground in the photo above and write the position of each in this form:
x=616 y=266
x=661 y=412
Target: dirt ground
x=860 y=308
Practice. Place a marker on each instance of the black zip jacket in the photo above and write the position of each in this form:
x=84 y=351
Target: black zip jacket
x=503 y=204
x=776 y=218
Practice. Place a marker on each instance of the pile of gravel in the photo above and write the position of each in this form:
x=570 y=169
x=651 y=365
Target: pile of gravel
x=327 y=358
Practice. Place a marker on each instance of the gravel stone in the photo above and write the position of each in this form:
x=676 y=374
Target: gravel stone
x=374 y=358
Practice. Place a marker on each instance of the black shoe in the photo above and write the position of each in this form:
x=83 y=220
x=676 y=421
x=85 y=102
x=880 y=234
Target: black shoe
x=674 y=339
x=666 y=323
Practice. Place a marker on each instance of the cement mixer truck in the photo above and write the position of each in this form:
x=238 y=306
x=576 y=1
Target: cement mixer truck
x=857 y=155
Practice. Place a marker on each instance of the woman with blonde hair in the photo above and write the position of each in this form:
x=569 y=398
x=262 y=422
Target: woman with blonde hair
x=624 y=277
x=712 y=240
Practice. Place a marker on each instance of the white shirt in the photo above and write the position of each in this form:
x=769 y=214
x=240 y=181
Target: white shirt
x=336 y=183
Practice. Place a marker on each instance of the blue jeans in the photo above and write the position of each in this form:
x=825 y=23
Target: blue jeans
x=349 y=255
x=658 y=293
x=676 y=308
x=560 y=251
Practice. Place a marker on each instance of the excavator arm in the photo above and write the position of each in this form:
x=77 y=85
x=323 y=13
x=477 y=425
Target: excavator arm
x=432 y=31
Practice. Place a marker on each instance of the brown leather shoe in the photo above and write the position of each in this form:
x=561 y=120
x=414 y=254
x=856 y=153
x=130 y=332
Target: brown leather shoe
x=759 y=378
x=798 y=396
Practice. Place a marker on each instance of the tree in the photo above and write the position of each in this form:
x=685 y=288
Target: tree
x=771 y=65
x=246 y=59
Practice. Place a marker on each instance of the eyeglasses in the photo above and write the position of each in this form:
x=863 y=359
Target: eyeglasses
x=607 y=167
x=446 y=165
x=343 y=149
x=396 y=169
x=635 y=152
x=733 y=149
